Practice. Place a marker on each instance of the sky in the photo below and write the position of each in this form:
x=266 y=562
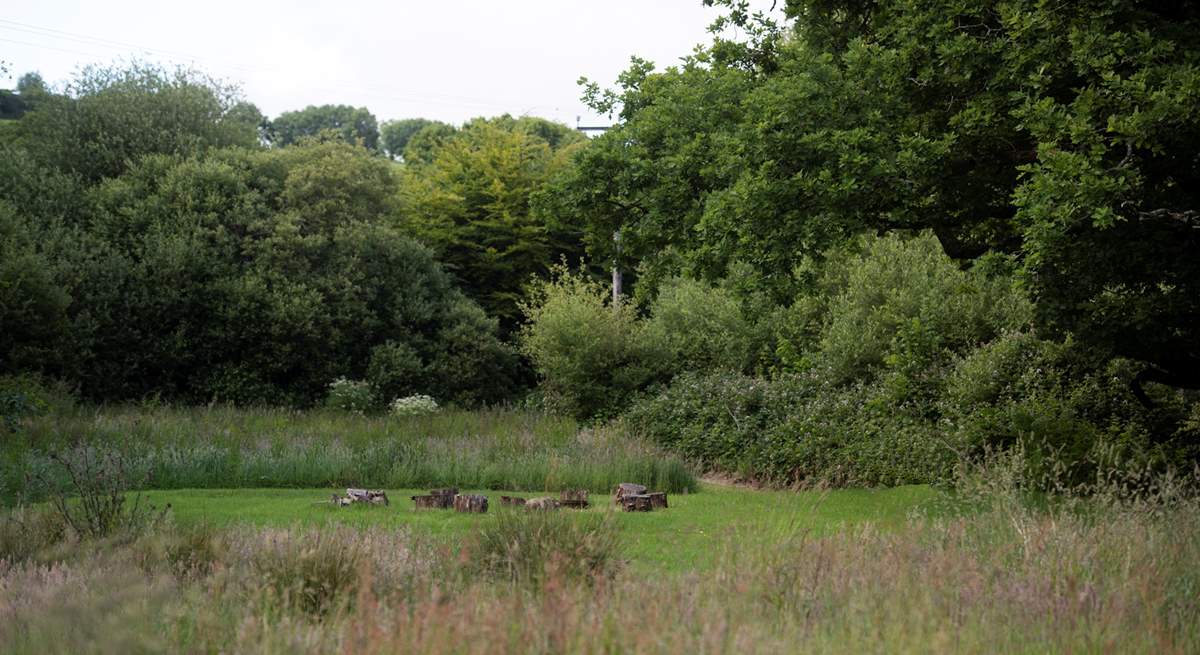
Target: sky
x=449 y=61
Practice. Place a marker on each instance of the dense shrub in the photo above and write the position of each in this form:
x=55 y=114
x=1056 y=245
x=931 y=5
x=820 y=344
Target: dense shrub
x=33 y=308
x=25 y=396
x=593 y=357
x=797 y=429
x=897 y=365
x=904 y=298
x=354 y=396
x=701 y=327
x=248 y=277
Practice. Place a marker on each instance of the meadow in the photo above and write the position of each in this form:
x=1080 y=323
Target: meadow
x=985 y=567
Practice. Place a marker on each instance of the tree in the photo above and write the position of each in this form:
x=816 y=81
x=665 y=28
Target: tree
x=110 y=117
x=471 y=202
x=350 y=124
x=1065 y=132
x=395 y=135
x=1059 y=133
x=420 y=147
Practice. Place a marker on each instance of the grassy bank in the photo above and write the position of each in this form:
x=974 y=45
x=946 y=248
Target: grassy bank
x=1118 y=577
x=172 y=448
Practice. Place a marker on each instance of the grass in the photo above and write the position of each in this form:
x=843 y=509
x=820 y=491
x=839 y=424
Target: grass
x=273 y=570
x=220 y=447
x=1120 y=577
x=686 y=537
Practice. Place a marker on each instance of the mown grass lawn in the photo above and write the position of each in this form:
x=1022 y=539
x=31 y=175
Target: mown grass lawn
x=693 y=534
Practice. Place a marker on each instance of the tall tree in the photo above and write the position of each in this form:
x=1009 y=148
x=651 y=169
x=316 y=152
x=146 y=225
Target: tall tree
x=471 y=202
x=1064 y=133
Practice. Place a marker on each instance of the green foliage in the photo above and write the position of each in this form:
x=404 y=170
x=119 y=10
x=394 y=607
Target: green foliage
x=395 y=135
x=471 y=203
x=420 y=147
x=353 y=125
x=592 y=357
x=110 y=117
x=902 y=303
x=902 y=365
x=1064 y=134
x=355 y=396
x=702 y=327
x=33 y=308
x=792 y=430
x=241 y=276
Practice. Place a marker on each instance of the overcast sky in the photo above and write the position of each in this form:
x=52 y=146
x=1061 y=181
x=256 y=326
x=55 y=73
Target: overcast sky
x=401 y=59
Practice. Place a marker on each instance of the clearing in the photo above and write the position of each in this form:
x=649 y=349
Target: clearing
x=690 y=535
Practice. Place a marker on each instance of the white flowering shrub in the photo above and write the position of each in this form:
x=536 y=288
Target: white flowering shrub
x=417 y=405
x=350 y=395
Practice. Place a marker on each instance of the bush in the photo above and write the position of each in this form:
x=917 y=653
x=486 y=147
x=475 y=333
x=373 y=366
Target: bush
x=350 y=396
x=24 y=396
x=797 y=429
x=593 y=358
x=899 y=293
x=90 y=493
x=701 y=327
x=418 y=405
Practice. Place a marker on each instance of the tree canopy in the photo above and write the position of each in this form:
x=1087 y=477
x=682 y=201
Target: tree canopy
x=395 y=135
x=471 y=202
x=1063 y=134
x=350 y=124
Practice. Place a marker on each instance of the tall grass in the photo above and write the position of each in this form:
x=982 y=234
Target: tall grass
x=227 y=447
x=1120 y=577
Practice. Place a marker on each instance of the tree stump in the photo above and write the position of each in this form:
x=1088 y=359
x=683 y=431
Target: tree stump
x=636 y=503
x=541 y=503
x=446 y=495
x=429 y=502
x=574 y=498
x=512 y=501
x=658 y=500
x=372 y=496
x=470 y=503
x=627 y=489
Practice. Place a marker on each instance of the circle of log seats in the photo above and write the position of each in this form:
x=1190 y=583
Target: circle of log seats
x=512 y=501
x=470 y=503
